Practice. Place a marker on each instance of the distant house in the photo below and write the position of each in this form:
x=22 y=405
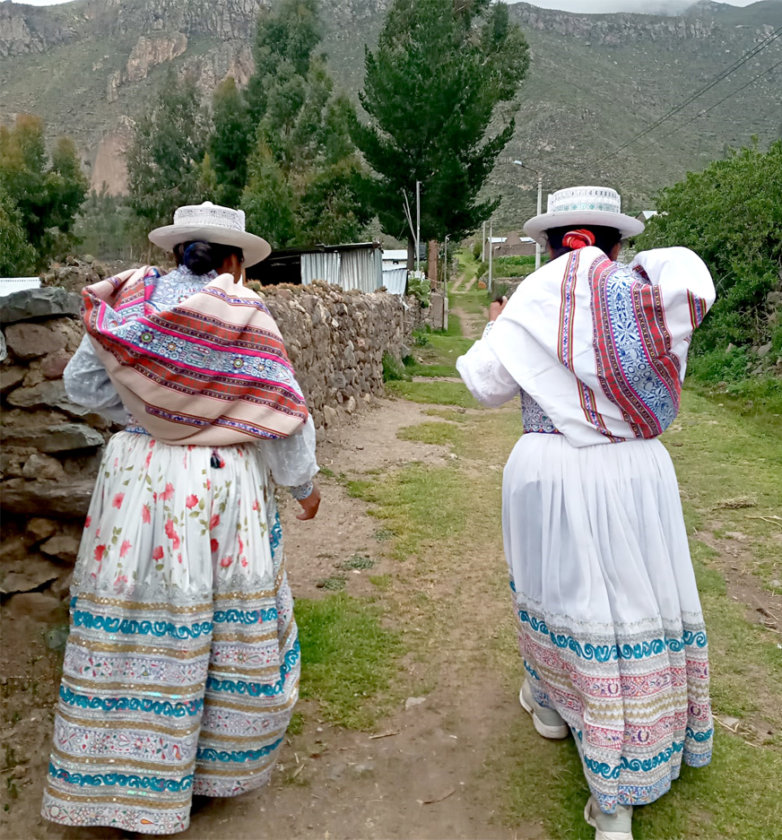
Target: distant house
x=394 y=258
x=515 y=245
x=645 y=215
x=9 y=285
x=358 y=265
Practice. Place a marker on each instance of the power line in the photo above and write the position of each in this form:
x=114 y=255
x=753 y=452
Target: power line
x=698 y=93
x=725 y=98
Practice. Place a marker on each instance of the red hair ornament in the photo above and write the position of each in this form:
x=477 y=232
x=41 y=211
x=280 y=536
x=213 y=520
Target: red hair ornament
x=581 y=238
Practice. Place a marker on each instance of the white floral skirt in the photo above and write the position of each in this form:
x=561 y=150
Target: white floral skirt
x=610 y=624
x=182 y=665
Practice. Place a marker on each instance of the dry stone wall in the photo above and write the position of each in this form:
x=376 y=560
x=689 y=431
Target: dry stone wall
x=51 y=448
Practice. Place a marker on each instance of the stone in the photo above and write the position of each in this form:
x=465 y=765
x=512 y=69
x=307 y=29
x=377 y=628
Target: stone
x=70 y=498
x=350 y=406
x=40 y=529
x=13 y=459
x=63 y=546
x=764 y=350
x=3 y=348
x=29 y=341
x=38 y=606
x=56 y=438
x=43 y=467
x=47 y=302
x=412 y=702
x=53 y=365
x=10 y=377
x=46 y=393
x=330 y=416
x=27 y=573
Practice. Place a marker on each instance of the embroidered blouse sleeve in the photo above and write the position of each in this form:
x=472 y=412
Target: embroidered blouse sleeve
x=88 y=384
x=292 y=460
x=484 y=375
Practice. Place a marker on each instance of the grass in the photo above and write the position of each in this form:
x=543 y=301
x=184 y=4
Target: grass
x=435 y=393
x=721 y=456
x=348 y=658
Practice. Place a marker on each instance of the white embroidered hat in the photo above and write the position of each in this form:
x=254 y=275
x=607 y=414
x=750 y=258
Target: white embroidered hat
x=209 y=222
x=578 y=206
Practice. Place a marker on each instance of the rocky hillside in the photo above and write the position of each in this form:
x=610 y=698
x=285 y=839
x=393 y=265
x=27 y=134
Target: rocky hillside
x=89 y=66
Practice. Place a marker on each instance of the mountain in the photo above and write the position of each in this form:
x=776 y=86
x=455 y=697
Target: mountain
x=595 y=81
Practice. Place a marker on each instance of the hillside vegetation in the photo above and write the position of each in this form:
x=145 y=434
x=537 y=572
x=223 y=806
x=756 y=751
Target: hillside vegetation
x=88 y=67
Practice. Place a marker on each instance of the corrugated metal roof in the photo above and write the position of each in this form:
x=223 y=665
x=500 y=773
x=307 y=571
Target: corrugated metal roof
x=9 y=285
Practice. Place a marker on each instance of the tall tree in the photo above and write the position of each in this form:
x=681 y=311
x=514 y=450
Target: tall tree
x=230 y=143
x=45 y=193
x=166 y=152
x=286 y=36
x=433 y=95
x=304 y=162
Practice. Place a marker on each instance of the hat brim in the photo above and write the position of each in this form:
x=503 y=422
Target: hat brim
x=253 y=247
x=537 y=226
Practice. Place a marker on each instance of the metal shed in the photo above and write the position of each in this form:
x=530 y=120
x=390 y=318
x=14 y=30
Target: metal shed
x=357 y=265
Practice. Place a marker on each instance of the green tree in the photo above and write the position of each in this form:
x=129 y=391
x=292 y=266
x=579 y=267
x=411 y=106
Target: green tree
x=230 y=143
x=45 y=192
x=268 y=200
x=433 y=95
x=304 y=162
x=731 y=215
x=17 y=256
x=285 y=38
x=166 y=152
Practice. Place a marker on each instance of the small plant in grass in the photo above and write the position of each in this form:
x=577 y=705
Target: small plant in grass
x=421 y=336
x=393 y=369
x=335 y=583
x=357 y=561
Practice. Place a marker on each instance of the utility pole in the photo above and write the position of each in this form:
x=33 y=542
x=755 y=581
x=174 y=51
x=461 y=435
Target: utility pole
x=445 y=263
x=417 y=225
x=483 y=243
x=540 y=206
x=491 y=248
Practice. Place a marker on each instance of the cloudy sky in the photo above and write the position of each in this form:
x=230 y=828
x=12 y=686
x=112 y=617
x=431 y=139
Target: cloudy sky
x=648 y=6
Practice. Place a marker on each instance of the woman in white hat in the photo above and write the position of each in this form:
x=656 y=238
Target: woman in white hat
x=182 y=664
x=610 y=625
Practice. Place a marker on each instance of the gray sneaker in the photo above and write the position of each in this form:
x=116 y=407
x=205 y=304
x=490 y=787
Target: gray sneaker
x=616 y=826
x=546 y=721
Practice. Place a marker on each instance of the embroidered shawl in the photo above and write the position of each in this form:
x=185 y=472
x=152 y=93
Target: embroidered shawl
x=602 y=347
x=210 y=371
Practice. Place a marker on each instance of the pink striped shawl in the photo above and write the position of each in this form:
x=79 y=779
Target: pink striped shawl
x=210 y=371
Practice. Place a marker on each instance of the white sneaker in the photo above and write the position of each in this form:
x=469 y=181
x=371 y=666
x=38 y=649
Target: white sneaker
x=546 y=721
x=617 y=826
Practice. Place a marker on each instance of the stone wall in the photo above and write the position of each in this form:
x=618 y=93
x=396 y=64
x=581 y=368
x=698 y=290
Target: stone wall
x=51 y=448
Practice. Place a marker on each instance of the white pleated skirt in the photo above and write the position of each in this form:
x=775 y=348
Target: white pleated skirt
x=610 y=624
x=181 y=670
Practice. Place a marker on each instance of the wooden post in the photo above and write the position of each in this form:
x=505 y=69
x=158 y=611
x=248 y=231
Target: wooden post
x=431 y=266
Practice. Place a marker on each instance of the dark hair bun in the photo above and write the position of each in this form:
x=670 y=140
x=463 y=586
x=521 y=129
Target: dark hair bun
x=199 y=258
